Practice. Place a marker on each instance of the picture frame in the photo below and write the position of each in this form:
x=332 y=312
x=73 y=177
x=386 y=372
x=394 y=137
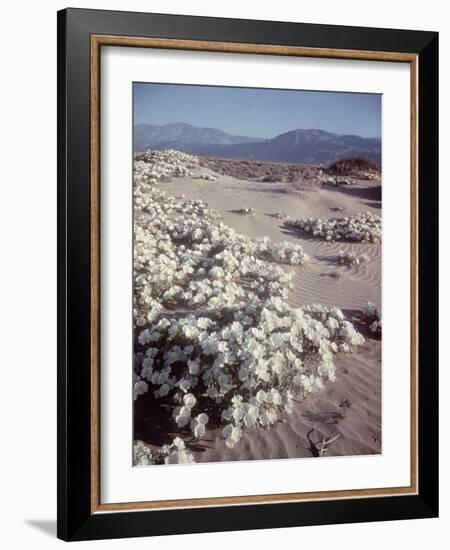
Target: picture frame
x=81 y=36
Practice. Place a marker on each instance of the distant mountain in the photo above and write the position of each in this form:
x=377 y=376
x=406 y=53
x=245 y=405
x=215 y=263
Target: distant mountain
x=303 y=146
x=307 y=146
x=148 y=135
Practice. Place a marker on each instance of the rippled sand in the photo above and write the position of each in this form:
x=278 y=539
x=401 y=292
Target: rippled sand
x=351 y=407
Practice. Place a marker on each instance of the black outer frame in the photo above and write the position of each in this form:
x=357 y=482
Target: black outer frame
x=75 y=521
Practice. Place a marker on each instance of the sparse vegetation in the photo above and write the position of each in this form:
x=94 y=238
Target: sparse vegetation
x=352 y=166
x=252 y=170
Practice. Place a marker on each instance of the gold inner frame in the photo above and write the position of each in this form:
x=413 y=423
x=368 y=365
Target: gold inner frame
x=97 y=41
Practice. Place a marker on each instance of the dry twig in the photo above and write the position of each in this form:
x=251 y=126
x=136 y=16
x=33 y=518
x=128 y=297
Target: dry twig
x=326 y=442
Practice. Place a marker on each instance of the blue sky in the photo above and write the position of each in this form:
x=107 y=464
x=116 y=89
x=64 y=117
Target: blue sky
x=257 y=112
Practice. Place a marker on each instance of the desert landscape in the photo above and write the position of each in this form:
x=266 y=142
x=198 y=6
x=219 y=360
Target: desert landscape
x=257 y=295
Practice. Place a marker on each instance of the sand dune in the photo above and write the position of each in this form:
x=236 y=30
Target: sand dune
x=351 y=407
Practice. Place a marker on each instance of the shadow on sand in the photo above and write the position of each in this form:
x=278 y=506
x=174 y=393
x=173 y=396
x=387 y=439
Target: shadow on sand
x=154 y=425
x=356 y=318
x=371 y=194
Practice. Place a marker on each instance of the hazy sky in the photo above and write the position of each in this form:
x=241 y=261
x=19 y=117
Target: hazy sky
x=257 y=112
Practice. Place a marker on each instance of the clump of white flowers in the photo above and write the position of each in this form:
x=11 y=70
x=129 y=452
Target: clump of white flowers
x=336 y=181
x=140 y=387
x=360 y=227
x=372 y=316
x=280 y=215
x=152 y=166
x=246 y=364
x=175 y=453
x=351 y=258
x=369 y=176
x=281 y=253
x=207 y=177
x=214 y=334
x=246 y=211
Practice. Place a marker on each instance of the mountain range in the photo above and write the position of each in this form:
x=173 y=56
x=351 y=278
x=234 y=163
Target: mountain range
x=311 y=146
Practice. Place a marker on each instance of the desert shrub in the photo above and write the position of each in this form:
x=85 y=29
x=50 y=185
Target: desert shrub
x=360 y=227
x=207 y=177
x=351 y=258
x=352 y=165
x=152 y=166
x=280 y=215
x=246 y=211
x=335 y=181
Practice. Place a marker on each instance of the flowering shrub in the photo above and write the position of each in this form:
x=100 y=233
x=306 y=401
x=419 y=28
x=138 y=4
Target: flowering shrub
x=369 y=176
x=372 y=316
x=361 y=227
x=335 y=181
x=151 y=166
x=246 y=364
x=215 y=336
x=246 y=211
x=207 y=177
x=175 y=453
x=351 y=258
x=280 y=215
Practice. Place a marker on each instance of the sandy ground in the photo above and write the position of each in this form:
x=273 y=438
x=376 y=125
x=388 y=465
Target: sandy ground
x=351 y=407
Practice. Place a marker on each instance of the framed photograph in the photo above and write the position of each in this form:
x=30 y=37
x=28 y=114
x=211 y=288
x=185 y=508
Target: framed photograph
x=247 y=274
